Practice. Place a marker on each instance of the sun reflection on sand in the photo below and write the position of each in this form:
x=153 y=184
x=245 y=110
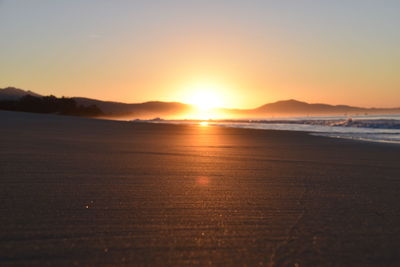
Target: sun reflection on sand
x=203 y=123
x=203 y=181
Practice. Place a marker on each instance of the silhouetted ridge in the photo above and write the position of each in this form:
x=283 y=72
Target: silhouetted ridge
x=295 y=106
x=50 y=104
x=147 y=109
x=153 y=109
x=12 y=93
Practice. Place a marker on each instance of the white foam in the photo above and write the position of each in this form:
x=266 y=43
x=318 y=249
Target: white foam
x=383 y=128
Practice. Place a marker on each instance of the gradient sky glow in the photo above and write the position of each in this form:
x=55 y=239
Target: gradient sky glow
x=252 y=52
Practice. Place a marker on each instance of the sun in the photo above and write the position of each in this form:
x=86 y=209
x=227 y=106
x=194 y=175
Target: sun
x=205 y=100
x=205 y=97
x=208 y=100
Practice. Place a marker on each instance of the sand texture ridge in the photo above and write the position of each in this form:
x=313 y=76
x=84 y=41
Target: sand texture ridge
x=94 y=192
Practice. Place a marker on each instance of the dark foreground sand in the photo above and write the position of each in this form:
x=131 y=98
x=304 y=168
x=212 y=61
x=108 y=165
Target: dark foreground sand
x=91 y=192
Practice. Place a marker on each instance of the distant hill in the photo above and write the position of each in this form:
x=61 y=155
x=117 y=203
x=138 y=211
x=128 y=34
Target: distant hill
x=12 y=93
x=175 y=109
x=295 y=107
x=113 y=109
x=142 y=110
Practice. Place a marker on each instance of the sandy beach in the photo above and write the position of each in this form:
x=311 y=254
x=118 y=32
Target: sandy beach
x=77 y=191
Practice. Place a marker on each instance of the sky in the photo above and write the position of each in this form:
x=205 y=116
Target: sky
x=245 y=53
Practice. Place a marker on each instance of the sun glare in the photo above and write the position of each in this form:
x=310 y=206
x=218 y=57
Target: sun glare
x=205 y=100
x=205 y=97
x=208 y=99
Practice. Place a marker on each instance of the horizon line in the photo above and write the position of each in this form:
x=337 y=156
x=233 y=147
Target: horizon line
x=221 y=107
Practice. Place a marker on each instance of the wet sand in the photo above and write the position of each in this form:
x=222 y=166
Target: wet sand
x=93 y=192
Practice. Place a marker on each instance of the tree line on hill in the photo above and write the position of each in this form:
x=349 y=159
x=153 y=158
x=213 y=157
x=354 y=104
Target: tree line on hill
x=50 y=104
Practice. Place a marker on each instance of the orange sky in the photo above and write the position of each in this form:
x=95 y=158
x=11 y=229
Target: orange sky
x=248 y=54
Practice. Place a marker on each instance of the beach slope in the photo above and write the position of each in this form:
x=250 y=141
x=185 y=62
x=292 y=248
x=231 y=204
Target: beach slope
x=95 y=192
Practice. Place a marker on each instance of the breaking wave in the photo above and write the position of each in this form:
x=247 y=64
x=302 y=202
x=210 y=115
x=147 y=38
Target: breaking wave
x=383 y=128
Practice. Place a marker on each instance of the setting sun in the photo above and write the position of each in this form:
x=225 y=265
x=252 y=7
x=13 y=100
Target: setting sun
x=205 y=100
x=205 y=97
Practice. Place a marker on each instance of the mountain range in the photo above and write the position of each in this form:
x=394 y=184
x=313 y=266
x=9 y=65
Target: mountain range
x=176 y=109
x=11 y=93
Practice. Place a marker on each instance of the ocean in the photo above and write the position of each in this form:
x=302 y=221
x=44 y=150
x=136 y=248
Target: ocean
x=374 y=128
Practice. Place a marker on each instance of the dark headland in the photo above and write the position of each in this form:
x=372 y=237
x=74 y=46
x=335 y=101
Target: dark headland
x=78 y=191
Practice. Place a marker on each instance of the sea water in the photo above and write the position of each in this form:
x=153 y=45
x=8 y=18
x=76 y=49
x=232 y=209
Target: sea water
x=376 y=128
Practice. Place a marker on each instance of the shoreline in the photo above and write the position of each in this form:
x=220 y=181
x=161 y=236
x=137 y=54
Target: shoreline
x=328 y=135
x=311 y=133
